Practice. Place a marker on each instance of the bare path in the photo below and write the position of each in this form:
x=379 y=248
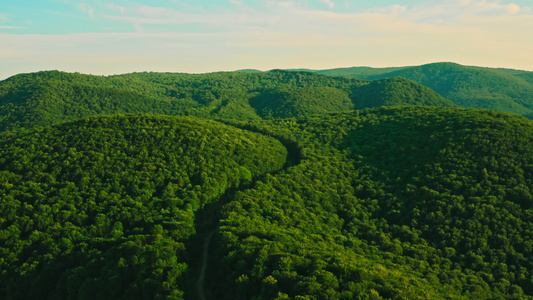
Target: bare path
x=200 y=284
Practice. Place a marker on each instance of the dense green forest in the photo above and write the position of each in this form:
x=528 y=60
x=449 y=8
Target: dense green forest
x=102 y=208
x=491 y=88
x=392 y=92
x=403 y=203
x=45 y=98
x=296 y=185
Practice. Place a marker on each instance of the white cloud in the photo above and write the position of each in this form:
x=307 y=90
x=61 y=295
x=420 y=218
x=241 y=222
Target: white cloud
x=329 y=3
x=281 y=4
x=83 y=7
x=116 y=8
x=453 y=11
x=87 y=10
x=388 y=10
x=238 y=19
x=157 y=15
x=495 y=8
x=11 y=27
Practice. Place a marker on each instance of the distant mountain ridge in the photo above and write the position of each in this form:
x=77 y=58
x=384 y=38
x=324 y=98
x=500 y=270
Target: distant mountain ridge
x=500 y=89
x=44 y=98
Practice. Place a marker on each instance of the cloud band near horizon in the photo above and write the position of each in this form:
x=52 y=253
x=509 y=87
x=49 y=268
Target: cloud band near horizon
x=123 y=37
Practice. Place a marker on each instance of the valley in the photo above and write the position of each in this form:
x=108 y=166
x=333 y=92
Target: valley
x=357 y=183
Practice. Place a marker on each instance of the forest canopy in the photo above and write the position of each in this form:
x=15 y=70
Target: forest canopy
x=410 y=203
x=278 y=185
x=46 y=98
x=102 y=208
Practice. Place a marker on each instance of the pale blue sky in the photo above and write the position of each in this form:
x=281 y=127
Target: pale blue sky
x=118 y=36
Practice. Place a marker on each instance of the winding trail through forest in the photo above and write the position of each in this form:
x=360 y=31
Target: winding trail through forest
x=293 y=158
x=200 y=284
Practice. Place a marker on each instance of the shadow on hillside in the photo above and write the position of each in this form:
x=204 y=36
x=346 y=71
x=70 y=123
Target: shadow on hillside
x=395 y=148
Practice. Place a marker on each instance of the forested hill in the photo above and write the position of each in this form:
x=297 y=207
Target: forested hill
x=491 y=88
x=44 y=98
x=103 y=208
x=385 y=203
x=393 y=92
x=392 y=203
x=308 y=186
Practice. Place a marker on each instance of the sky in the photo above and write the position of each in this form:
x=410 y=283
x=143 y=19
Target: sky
x=198 y=36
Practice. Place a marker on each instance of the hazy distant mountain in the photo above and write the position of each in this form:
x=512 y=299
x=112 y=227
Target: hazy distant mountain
x=527 y=76
x=499 y=89
x=249 y=71
x=367 y=73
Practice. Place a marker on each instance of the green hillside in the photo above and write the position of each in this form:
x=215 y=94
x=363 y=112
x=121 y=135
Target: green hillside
x=499 y=89
x=103 y=208
x=286 y=102
x=366 y=73
x=385 y=203
x=45 y=98
x=267 y=185
x=527 y=77
x=394 y=92
x=397 y=203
